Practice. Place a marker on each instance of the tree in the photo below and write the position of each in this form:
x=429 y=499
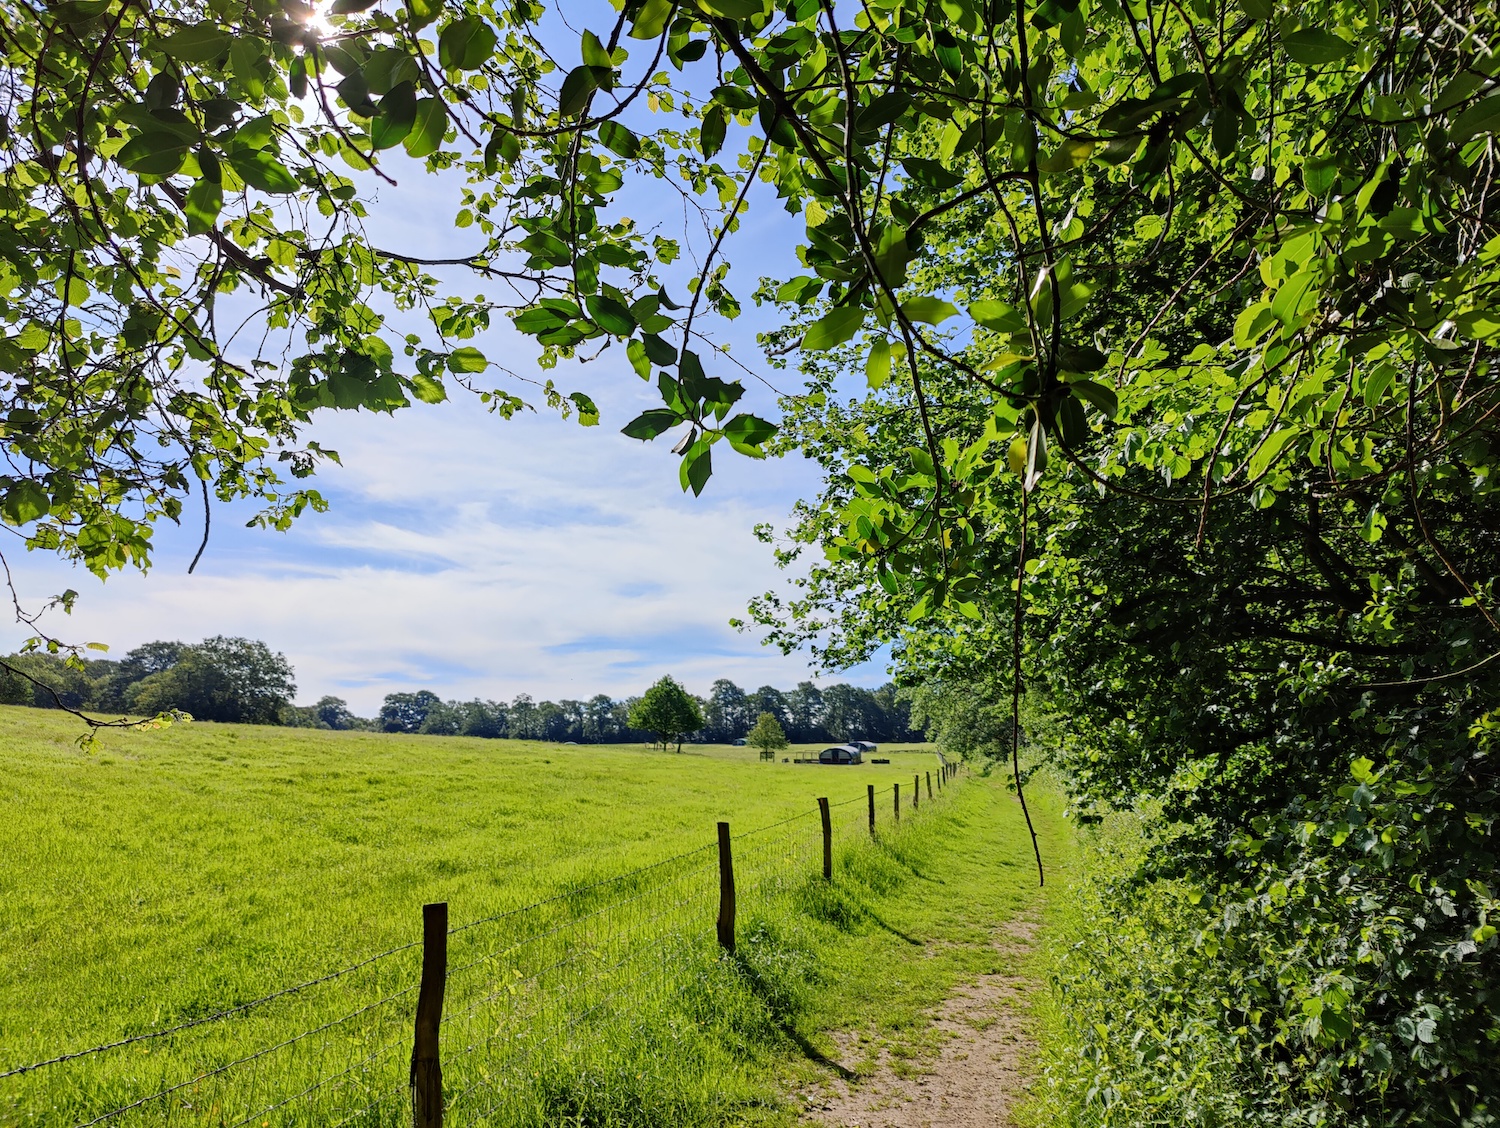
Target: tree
x=334 y=712
x=667 y=711
x=407 y=712
x=767 y=736
x=233 y=680
x=726 y=713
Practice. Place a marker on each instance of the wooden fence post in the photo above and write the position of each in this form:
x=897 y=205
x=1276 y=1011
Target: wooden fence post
x=726 y=891
x=896 y=790
x=827 y=840
x=916 y=792
x=426 y=1068
x=929 y=785
x=870 y=788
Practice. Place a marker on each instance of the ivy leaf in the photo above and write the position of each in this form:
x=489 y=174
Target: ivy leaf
x=833 y=329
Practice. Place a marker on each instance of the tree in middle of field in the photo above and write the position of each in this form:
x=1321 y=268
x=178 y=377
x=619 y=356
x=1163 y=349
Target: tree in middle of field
x=767 y=735
x=668 y=712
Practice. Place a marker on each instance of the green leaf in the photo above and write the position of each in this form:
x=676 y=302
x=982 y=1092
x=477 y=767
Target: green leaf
x=619 y=140
x=260 y=169
x=735 y=97
x=427 y=129
x=697 y=467
x=423 y=12
x=834 y=328
x=878 y=365
x=581 y=82
x=1098 y=395
x=200 y=43
x=153 y=154
x=1069 y=155
x=467 y=359
x=1258 y=9
x=1376 y=383
x=588 y=412
x=1482 y=117
x=748 y=433
x=928 y=309
x=24 y=502
x=426 y=389
x=611 y=316
x=1291 y=294
x=398 y=112
x=651 y=20
x=711 y=131
x=466 y=44
x=733 y=9
x=999 y=316
x=1036 y=456
x=1269 y=450
x=349 y=7
x=1312 y=46
x=205 y=199
x=930 y=174
x=1252 y=323
x=649 y=424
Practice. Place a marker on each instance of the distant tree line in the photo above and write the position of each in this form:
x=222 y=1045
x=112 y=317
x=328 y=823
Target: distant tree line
x=219 y=679
x=242 y=680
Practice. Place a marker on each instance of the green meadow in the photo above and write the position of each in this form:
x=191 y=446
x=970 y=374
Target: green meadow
x=170 y=875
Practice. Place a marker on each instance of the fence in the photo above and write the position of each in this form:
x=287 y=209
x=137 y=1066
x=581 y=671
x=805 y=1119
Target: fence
x=465 y=1025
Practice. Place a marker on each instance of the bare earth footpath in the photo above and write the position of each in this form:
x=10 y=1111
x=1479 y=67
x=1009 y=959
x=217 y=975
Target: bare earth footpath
x=976 y=1076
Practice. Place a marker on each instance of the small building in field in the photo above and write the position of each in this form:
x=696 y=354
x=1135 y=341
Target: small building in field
x=843 y=754
x=867 y=746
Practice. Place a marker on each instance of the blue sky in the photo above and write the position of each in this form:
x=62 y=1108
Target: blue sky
x=471 y=555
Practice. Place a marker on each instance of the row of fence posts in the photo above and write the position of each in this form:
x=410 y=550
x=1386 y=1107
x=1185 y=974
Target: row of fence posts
x=426 y=1064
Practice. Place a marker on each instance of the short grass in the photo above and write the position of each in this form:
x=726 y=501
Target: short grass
x=171 y=874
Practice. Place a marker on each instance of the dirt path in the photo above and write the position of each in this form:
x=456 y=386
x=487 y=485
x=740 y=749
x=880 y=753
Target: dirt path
x=974 y=1079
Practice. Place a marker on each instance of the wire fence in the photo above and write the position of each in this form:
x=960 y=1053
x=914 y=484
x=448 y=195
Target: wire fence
x=518 y=992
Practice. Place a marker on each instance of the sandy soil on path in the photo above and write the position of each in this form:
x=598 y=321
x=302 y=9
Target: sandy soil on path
x=975 y=1078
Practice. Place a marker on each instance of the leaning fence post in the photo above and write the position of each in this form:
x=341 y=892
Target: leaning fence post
x=827 y=840
x=896 y=789
x=726 y=891
x=426 y=1069
x=870 y=787
x=929 y=785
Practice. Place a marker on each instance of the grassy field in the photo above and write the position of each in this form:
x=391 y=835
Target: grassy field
x=176 y=873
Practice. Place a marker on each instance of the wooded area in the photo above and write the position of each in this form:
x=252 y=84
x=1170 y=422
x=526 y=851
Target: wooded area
x=1176 y=323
